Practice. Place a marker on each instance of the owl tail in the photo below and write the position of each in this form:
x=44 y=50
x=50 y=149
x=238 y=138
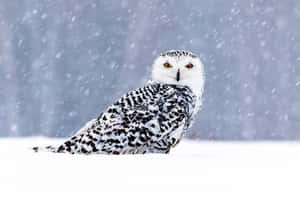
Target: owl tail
x=45 y=149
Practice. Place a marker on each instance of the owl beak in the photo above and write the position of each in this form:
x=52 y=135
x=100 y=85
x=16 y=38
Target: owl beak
x=178 y=75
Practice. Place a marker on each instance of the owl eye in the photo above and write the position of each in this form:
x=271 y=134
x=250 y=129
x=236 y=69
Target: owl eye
x=189 y=66
x=167 y=65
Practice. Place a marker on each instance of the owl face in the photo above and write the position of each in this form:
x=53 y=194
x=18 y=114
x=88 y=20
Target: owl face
x=179 y=68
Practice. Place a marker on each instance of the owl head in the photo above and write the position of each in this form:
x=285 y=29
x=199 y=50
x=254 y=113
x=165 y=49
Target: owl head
x=179 y=67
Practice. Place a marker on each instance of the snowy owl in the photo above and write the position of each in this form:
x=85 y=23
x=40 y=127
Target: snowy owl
x=150 y=119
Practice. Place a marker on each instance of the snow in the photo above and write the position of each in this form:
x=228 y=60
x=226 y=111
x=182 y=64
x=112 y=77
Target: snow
x=193 y=170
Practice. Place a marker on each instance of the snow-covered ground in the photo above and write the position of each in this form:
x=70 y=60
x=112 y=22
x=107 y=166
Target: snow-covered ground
x=193 y=170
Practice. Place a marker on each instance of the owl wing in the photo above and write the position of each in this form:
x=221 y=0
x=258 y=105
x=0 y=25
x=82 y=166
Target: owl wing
x=142 y=119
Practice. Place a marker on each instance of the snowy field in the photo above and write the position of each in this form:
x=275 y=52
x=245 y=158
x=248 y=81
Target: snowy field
x=193 y=170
